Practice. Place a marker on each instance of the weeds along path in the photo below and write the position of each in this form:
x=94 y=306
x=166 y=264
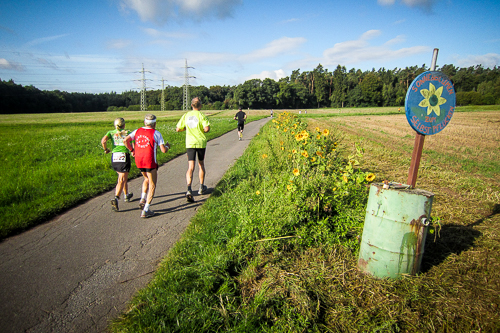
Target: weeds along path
x=78 y=271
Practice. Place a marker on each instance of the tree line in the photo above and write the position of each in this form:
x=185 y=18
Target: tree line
x=319 y=88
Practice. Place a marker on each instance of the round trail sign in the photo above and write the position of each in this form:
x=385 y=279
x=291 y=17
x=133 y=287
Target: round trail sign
x=430 y=102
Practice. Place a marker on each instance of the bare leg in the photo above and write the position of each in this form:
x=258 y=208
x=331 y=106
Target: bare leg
x=122 y=182
x=125 y=183
x=189 y=173
x=201 y=174
x=150 y=178
x=145 y=182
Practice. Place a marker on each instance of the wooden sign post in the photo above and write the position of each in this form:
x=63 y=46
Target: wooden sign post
x=429 y=105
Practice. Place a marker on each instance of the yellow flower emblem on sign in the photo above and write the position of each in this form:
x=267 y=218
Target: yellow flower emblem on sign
x=432 y=99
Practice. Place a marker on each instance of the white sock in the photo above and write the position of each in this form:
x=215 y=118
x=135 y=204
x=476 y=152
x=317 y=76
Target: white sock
x=144 y=195
x=146 y=207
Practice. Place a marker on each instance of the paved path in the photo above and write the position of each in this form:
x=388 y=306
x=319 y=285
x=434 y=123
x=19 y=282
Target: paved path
x=78 y=271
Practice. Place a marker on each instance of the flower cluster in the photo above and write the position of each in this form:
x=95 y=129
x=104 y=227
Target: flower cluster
x=318 y=175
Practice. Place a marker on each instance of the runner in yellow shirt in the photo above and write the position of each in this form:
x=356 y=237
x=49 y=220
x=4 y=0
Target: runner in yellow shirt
x=195 y=124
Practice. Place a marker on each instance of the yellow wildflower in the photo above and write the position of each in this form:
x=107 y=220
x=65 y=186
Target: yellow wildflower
x=294 y=151
x=319 y=153
x=370 y=177
x=282 y=148
x=313 y=159
x=258 y=192
x=264 y=155
x=289 y=187
x=317 y=129
x=326 y=132
x=305 y=154
x=344 y=177
x=318 y=136
x=296 y=172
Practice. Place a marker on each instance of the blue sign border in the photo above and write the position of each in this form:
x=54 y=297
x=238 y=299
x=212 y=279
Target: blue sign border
x=430 y=102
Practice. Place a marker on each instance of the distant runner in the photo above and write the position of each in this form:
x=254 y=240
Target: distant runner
x=241 y=117
x=147 y=138
x=120 y=160
x=195 y=124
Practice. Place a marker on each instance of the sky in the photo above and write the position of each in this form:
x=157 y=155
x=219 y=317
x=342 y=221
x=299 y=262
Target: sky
x=99 y=46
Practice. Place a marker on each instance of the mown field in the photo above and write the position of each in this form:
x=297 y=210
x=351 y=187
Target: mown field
x=284 y=259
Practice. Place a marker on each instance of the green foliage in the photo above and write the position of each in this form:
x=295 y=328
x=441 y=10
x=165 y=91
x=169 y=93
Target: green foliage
x=318 y=88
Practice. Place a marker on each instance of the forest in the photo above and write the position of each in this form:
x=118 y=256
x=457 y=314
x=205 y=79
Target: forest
x=319 y=88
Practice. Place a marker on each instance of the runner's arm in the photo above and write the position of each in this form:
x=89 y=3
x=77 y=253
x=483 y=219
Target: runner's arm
x=127 y=143
x=103 y=143
x=164 y=148
x=206 y=129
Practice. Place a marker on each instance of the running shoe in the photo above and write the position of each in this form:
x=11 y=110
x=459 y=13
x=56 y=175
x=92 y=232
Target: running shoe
x=147 y=213
x=142 y=203
x=114 y=204
x=128 y=197
x=202 y=190
x=239 y=139
x=189 y=196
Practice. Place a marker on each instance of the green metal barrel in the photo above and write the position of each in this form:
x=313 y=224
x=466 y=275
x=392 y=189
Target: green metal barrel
x=394 y=232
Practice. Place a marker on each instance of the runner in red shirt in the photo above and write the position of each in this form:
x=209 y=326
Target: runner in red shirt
x=146 y=139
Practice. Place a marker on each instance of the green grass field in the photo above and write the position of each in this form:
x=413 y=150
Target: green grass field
x=52 y=162
x=285 y=258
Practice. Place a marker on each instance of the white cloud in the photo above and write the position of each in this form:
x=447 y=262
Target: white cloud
x=5 y=64
x=397 y=40
x=360 y=50
x=422 y=4
x=386 y=2
x=44 y=40
x=163 y=34
x=273 y=49
x=119 y=43
x=160 y=11
x=487 y=60
x=275 y=75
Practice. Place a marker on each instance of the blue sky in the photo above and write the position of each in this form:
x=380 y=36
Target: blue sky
x=100 y=45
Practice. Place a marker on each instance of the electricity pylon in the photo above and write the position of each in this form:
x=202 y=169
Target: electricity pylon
x=162 y=95
x=143 y=90
x=187 y=103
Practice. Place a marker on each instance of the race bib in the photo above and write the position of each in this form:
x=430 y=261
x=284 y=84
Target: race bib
x=119 y=157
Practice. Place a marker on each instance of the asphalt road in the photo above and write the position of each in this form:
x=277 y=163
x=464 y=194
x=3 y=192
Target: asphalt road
x=78 y=271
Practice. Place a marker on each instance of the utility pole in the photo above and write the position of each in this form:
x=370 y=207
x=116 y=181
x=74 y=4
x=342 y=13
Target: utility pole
x=186 y=105
x=162 y=95
x=143 y=90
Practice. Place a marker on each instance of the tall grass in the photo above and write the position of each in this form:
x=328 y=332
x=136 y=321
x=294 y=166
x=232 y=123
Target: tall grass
x=51 y=166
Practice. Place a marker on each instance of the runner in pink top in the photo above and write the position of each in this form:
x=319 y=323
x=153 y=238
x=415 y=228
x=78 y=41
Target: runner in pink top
x=146 y=139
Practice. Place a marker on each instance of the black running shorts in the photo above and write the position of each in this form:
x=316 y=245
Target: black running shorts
x=241 y=126
x=192 y=152
x=120 y=162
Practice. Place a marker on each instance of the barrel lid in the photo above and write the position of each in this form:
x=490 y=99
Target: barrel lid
x=401 y=187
